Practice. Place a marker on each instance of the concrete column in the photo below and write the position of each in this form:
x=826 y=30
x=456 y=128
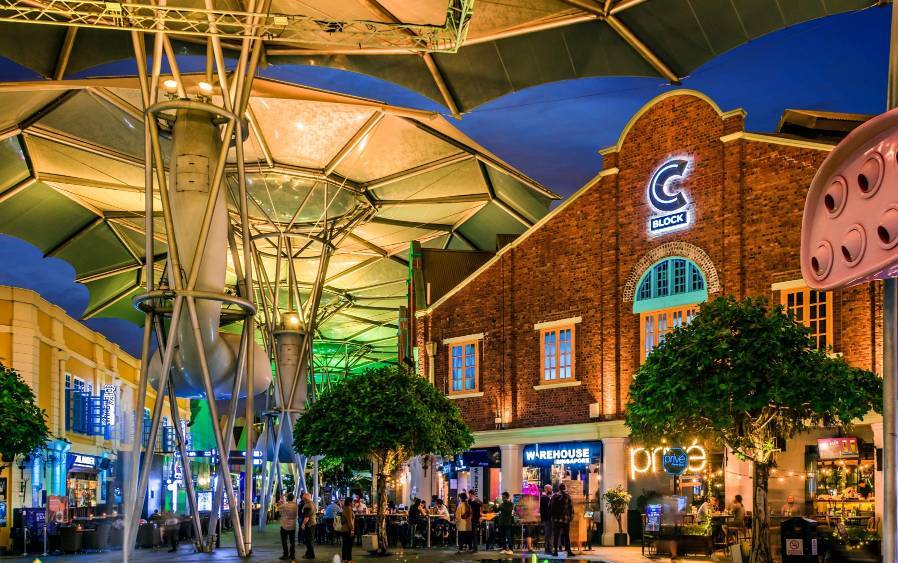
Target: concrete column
x=512 y=468
x=421 y=479
x=615 y=457
x=431 y=349
x=738 y=479
x=878 y=483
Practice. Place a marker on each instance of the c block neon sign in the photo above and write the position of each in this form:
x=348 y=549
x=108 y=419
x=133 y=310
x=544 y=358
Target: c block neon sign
x=669 y=202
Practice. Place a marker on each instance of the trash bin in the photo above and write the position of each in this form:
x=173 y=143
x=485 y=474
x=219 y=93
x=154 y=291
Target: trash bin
x=799 y=540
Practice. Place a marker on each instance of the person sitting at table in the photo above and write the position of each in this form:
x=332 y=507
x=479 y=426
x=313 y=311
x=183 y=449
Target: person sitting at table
x=441 y=524
x=790 y=508
x=738 y=512
x=417 y=520
x=707 y=508
x=329 y=512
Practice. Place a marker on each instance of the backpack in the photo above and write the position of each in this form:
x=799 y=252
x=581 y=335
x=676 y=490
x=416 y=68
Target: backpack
x=338 y=522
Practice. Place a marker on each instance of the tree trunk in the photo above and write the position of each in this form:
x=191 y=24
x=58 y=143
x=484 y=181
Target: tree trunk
x=381 y=513
x=760 y=523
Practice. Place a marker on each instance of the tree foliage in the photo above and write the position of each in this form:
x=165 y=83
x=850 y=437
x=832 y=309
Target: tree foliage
x=747 y=376
x=386 y=415
x=24 y=424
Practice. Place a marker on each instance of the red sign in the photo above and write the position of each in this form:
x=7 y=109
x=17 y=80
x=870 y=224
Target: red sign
x=837 y=448
x=57 y=511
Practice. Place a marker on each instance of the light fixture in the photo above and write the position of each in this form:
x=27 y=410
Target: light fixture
x=205 y=88
x=170 y=85
x=291 y=320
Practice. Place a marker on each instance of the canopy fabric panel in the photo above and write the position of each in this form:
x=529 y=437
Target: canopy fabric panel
x=72 y=184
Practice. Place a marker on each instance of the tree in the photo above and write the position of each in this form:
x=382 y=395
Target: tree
x=24 y=424
x=749 y=377
x=386 y=415
x=617 y=500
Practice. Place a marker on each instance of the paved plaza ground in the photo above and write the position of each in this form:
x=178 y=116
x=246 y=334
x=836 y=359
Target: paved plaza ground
x=266 y=548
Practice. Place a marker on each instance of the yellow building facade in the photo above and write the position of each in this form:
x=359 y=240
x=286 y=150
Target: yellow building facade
x=64 y=361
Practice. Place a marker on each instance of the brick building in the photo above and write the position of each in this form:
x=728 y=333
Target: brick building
x=539 y=345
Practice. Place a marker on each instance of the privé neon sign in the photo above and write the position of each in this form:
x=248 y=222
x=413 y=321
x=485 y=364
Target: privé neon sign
x=644 y=460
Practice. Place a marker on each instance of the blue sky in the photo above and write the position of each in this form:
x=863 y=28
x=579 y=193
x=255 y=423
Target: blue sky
x=553 y=132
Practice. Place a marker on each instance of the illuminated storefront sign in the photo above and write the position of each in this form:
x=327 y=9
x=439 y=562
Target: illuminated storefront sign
x=79 y=461
x=573 y=453
x=645 y=460
x=109 y=393
x=670 y=204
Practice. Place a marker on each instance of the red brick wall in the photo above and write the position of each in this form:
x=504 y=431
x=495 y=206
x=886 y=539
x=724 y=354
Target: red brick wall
x=747 y=199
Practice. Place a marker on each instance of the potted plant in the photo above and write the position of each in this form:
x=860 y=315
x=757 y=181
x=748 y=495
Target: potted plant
x=616 y=502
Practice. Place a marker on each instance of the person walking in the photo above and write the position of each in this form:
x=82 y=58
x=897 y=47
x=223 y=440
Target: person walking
x=545 y=517
x=289 y=512
x=476 y=510
x=347 y=530
x=309 y=520
x=463 y=522
x=505 y=522
x=562 y=508
x=171 y=525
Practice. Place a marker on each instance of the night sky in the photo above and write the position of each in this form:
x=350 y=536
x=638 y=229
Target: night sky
x=553 y=132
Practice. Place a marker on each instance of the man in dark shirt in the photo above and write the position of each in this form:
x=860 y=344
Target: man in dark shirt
x=476 y=506
x=562 y=508
x=545 y=517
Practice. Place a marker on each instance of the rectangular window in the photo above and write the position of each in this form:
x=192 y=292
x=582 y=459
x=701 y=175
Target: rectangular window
x=654 y=325
x=464 y=367
x=557 y=354
x=812 y=309
x=679 y=276
x=661 y=280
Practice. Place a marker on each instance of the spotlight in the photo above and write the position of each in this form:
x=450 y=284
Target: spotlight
x=205 y=88
x=291 y=319
x=170 y=85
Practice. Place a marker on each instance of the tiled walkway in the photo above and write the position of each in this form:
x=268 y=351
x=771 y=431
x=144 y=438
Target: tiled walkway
x=266 y=548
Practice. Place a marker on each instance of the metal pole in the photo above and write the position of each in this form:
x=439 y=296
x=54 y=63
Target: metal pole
x=890 y=361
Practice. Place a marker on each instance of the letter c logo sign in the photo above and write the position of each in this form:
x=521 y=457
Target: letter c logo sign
x=658 y=196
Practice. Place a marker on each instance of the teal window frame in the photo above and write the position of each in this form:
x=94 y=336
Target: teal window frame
x=674 y=281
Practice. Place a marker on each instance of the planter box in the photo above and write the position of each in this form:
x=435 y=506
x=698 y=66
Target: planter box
x=696 y=545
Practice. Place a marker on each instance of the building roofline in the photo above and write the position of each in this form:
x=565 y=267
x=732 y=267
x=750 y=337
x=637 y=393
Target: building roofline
x=648 y=105
x=526 y=234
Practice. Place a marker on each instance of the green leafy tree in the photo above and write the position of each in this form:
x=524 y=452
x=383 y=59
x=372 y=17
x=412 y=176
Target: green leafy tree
x=387 y=415
x=617 y=500
x=747 y=376
x=24 y=424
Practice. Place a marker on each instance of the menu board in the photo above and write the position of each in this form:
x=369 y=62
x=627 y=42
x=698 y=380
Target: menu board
x=653 y=518
x=3 y=483
x=837 y=448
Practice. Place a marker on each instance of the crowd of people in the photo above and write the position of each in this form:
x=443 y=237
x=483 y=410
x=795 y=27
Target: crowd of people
x=433 y=520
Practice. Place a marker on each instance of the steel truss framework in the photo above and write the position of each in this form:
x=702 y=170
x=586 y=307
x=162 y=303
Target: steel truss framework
x=177 y=303
x=230 y=24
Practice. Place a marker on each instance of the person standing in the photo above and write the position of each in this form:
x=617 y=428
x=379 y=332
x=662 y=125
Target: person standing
x=505 y=522
x=289 y=512
x=347 y=530
x=562 y=508
x=309 y=520
x=545 y=517
x=476 y=510
x=463 y=522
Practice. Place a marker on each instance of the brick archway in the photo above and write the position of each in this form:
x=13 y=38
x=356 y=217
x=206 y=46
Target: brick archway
x=683 y=249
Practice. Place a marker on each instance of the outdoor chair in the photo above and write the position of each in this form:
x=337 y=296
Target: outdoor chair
x=70 y=539
x=146 y=536
x=96 y=539
x=116 y=537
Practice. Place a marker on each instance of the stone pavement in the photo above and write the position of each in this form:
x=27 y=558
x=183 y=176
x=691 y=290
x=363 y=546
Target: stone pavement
x=266 y=549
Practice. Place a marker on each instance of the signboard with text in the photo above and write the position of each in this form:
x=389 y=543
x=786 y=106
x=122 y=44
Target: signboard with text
x=674 y=461
x=837 y=448
x=570 y=454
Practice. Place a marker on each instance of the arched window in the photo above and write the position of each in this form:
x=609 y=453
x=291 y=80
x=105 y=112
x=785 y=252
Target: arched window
x=667 y=296
x=669 y=283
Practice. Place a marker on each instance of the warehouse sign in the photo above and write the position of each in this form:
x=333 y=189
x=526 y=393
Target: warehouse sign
x=667 y=199
x=572 y=453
